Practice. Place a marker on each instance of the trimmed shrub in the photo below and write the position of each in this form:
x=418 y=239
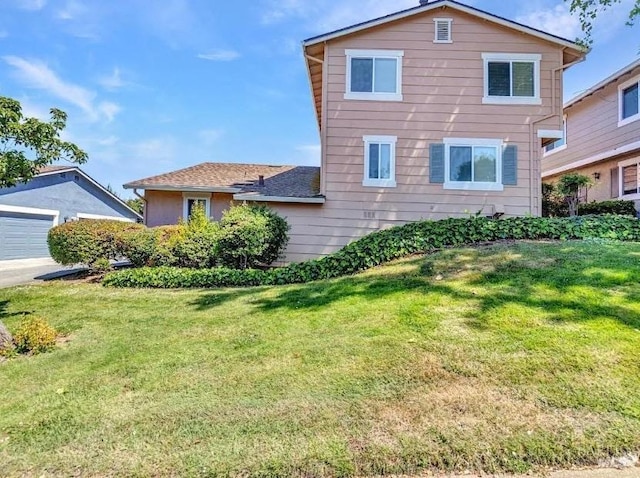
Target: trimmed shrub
x=383 y=246
x=251 y=236
x=553 y=203
x=34 y=336
x=622 y=208
x=90 y=242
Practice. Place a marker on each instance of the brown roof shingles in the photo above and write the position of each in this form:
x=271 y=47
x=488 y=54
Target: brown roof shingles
x=284 y=181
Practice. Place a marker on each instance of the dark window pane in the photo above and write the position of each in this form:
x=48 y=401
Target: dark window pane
x=630 y=179
x=523 y=79
x=630 y=101
x=192 y=203
x=374 y=165
x=499 y=79
x=460 y=163
x=362 y=75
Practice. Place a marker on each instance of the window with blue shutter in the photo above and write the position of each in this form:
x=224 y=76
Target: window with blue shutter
x=436 y=163
x=510 y=165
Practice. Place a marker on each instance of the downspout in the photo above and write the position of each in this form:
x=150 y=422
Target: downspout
x=144 y=206
x=533 y=148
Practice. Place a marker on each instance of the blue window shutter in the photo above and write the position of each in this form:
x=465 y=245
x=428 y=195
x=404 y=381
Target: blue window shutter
x=436 y=163
x=510 y=165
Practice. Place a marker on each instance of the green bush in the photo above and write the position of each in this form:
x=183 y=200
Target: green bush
x=383 y=246
x=251 y=236
x=553 y=203
x=90 y=242
x=34 y=336
x=622 y=208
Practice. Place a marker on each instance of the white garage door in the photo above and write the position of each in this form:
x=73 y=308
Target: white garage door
x=24 y=235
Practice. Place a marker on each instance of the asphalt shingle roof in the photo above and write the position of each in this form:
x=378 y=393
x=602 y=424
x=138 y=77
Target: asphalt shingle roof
x=284 y=181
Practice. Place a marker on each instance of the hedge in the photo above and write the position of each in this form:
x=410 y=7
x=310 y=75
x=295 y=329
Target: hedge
x=623 y=208
x=383 y=246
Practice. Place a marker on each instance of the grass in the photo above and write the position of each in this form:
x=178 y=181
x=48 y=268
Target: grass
x=500 y=358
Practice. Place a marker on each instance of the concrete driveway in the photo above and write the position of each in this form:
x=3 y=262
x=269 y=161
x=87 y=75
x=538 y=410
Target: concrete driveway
x=28 y=271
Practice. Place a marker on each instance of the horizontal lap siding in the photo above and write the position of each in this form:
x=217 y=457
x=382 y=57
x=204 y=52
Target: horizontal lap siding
x=592 y=127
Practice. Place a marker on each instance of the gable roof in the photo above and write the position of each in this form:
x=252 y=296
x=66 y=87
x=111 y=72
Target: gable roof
x=313 y=48
x=281 y=183
x=59 y=169
x=604 y=83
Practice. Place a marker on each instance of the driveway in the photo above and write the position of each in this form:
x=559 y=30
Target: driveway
x=14 y=273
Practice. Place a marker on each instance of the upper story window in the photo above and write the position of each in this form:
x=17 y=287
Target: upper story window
x=380 y=161
x=374 y=75
x=629 y=101
x=511 y=78
x=443 y=30
x=474 y=164
x=559 y=144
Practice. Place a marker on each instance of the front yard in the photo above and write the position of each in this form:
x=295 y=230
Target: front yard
x=499 y=358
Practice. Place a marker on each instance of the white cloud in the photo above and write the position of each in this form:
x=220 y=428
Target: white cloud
x=113 y=81
x=210 y=136
x=220 y=55
x=557 y=20
x=32 y=4
x=36 y=74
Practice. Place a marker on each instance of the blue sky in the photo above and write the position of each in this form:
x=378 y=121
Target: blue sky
x=155 y=85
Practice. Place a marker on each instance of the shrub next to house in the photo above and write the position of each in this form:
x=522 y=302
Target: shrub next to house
x=383 y=246
x=615 y=206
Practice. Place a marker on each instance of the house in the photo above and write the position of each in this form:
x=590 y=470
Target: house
x=602 y=138
x=56 y=195
x=431 y=112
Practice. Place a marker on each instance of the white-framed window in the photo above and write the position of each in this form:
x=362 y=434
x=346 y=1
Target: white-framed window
x=511 y=78
x=473 y=164
x=380 y=161
x=629 y=179
x=629 y=101
x=191 y=200
x=374 y=75
x=560 y=143
x=442 y=30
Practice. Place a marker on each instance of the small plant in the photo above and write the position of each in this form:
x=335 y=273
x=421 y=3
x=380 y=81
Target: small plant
x=34 y=336
x=571 y=186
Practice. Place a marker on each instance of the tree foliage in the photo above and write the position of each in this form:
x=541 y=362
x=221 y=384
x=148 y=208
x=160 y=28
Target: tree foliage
x=571 y=186
x=136 y=204
x=588 y=11
x=28 y=144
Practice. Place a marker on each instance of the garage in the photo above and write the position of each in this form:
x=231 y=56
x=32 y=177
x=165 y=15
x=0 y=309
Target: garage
x=23 y=232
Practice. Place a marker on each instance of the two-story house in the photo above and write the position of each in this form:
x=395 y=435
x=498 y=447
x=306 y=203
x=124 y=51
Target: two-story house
x=602 y=138
x=432 y=112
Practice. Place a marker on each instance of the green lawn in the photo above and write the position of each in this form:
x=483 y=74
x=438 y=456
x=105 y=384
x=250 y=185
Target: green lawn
x=499 y=358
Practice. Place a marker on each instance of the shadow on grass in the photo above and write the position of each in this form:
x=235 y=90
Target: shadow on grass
x=567 y=282
x=5 y=314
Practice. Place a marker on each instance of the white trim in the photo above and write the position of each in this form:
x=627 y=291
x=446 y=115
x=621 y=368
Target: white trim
x=621 y=166
x=550 y=133
x=92 y=181
x=628 y=148
x=32 y=210
x=285 y=199
x=82 y=215
x=512 y=57
x=563 y=136
x=190 y=189
x=623 y=86
x=448 y=21
x=186 y=197
x=379 y=139
x=396 y=55
x=471 y=185
x=455 y=6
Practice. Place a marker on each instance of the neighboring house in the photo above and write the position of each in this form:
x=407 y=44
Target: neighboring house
x=56 y=195
x=602 y=138
x=432 y=112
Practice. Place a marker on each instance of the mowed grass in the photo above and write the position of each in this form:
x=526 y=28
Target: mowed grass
x=499 y=358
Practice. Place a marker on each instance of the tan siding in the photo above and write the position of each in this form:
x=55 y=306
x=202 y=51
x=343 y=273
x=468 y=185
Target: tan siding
x=592 y=127
x=163 y=207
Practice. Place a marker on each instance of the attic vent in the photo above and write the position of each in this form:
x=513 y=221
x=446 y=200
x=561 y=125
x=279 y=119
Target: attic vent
x=443 y=30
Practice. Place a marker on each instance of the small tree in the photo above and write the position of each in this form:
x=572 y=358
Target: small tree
x=571 y=187
x=28 y=144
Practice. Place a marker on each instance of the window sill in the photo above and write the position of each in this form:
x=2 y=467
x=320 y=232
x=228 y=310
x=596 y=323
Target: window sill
x=510 y=100
x=373 y=96
x=629 y=197
x=555 y=150
x=464 y=186
x=379 y=183
x=628 y=120
x=442 y=41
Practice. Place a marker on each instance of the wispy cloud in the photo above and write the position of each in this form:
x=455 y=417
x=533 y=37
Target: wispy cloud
x=113 y=81
x=36 y=74
x=220 y=55
x=31 y=4
x=308 y=154
x=557 y=20
x=4 y=34
x=210 y=136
